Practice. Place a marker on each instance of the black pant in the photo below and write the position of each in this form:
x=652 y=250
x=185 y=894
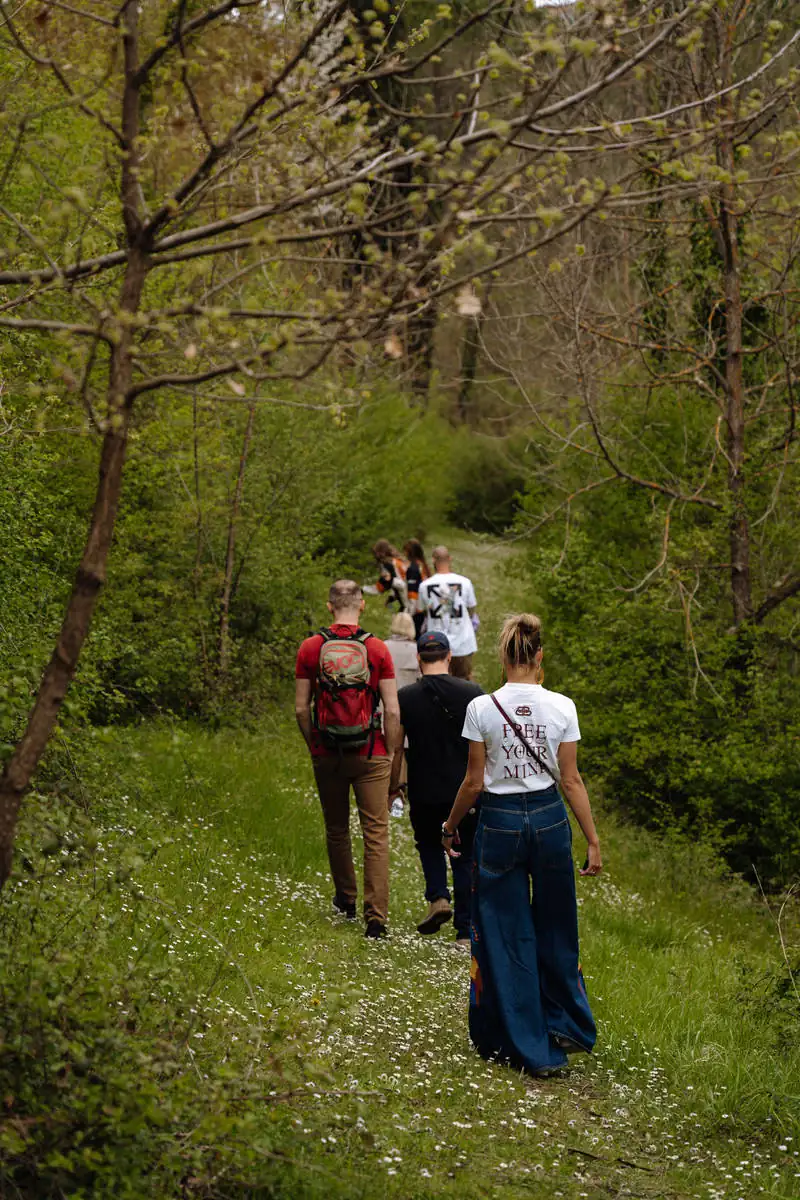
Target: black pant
x=426 y=821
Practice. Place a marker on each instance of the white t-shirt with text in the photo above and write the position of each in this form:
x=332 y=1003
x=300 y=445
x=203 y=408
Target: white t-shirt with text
x=546 y=719
x=446 y=600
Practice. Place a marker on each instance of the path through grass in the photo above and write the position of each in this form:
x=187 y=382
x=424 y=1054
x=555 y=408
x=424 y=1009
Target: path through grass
x=693 y=1091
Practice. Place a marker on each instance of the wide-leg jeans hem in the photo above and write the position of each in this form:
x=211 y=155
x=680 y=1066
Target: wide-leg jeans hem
x=526 y=983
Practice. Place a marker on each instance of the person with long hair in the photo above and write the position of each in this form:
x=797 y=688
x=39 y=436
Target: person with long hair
x=392 y=578
x=417 y=571
x=528 y=1002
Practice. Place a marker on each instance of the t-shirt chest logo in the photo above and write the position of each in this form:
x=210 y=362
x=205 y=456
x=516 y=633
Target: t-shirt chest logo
x=444 y=600
x=522 y=710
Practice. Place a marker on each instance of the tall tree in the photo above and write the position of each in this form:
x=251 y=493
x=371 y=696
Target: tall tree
x=685 y=387
x=171 y=172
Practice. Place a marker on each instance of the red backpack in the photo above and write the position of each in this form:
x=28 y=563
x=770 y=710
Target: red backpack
x=345 y=706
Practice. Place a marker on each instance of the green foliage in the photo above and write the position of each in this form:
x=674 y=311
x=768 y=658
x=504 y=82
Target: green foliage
x=687 y=725
x=111 y=1085
x=699 y=1042
x=487 y=480
x=44 y=502
x=320 y=485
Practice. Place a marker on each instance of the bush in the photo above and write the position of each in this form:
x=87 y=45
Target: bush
x=487 y=482
x=319 y=488
x=688 y=729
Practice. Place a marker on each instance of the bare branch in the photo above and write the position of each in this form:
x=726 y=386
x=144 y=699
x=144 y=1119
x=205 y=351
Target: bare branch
x=783 y=590
x=47 y=326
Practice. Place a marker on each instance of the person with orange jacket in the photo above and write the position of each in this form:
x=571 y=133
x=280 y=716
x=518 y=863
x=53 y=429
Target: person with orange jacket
x=392 y=578
x=417 y=571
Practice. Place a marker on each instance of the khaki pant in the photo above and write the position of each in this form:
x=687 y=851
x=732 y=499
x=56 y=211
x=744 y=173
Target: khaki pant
x=461 y=666
x=369 y=778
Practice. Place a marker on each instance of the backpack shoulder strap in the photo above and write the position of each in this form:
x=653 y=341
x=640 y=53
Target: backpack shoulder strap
x=328 y=635
x=430 y=691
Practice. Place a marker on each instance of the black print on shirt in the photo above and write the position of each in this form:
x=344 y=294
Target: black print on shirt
x=446 y=604
x=518 y=762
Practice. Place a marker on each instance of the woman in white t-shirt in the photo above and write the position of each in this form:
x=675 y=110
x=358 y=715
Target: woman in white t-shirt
x=528 y=1003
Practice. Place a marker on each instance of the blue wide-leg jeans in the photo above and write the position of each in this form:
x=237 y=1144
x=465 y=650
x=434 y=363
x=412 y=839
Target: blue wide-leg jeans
x=526 y=983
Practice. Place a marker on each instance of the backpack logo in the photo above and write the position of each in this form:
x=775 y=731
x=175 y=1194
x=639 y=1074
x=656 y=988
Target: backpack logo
x=523 y=711
x=344 y=664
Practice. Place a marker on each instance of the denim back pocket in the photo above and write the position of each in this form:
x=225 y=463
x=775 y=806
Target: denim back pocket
x=554 y=846
x=499 y=841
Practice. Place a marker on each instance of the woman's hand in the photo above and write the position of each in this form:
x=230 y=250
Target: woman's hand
x=594 y=863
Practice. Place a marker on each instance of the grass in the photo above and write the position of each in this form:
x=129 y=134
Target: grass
x=375 y=1091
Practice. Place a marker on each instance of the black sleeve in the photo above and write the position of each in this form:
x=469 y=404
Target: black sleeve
x=405 y=701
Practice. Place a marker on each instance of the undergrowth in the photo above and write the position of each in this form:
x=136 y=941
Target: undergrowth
x=182 y=1014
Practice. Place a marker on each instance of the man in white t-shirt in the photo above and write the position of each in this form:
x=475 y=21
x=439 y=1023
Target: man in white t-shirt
x=449 y=604
x=545 y=719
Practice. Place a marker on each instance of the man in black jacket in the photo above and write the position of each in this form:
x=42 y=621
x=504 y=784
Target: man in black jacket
x=432 y=716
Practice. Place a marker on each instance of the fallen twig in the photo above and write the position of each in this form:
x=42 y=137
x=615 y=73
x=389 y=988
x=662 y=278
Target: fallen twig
x=625 y=1162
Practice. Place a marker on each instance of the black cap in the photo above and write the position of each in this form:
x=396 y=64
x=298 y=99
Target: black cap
x=433 y=640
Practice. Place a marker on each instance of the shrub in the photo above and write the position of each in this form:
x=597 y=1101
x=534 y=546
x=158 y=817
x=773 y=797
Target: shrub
x=319 y=488
x=487 y=481
x=695 y=730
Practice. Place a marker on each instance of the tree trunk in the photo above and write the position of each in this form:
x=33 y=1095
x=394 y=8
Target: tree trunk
x=91 y=573
x=734 y=417
x=225 y=601
x=739 y=529
x=469 y=366
x=470 y=353
x=199 y=535
x=421 y=331
x=89 y=580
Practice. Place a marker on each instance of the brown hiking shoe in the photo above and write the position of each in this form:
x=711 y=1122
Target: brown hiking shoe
x=439 y=913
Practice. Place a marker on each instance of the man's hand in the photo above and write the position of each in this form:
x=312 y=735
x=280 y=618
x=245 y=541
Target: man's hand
x=394 y=794
x=397 y=764
x=449 y=842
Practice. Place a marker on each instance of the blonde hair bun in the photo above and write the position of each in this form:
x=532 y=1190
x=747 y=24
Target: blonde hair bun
x=520 y=639
x=403 y=626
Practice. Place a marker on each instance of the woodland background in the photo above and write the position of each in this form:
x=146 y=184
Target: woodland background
x=277 y=281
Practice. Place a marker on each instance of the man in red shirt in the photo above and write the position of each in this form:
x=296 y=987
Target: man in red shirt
x=365 y=769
